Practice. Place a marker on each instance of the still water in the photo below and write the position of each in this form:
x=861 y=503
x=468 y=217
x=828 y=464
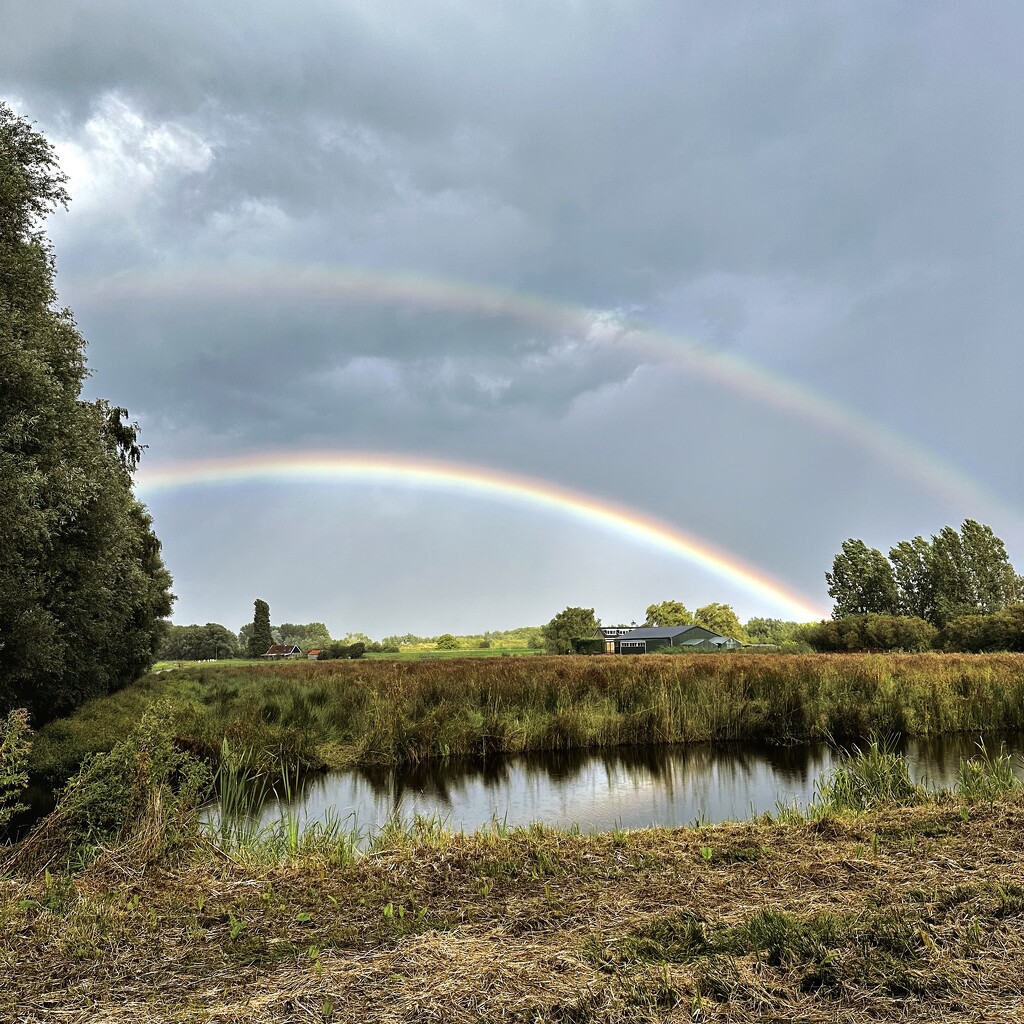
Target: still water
x=626 y=788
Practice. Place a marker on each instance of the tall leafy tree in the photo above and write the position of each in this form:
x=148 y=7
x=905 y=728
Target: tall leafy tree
x=568 y=625
x=668 y=613
x=720 y=618
x=953 y=581
x=262 y=638
x=913 y=571
x=83 y=589
x=995 y=582
x=861 y=581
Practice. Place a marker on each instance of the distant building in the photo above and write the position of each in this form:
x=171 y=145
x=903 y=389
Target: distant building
x=280 y=651
x=611 y=634
x=650 y=639
x=314 y=653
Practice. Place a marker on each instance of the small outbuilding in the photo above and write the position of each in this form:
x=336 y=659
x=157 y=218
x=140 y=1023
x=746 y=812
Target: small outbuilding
x=650 y=639
x=314 y=653
x=281 y=651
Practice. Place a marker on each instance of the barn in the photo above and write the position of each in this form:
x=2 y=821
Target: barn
x=650 y=639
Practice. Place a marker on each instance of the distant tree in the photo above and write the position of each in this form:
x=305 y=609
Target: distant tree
x=862 y=581
x=198 y=643
x=720 y=618
x=447 y=642
x=995 y=583
x=913 y=573
x=567 y=625
x=262 y=639
x=668 y=613
x=357 y=650
x=306 y=636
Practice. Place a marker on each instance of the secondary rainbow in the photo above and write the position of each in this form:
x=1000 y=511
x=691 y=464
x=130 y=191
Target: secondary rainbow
x=480 y=481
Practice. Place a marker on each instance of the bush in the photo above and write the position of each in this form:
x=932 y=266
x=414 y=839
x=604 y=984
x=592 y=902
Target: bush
x=446 y=642
x=144 y=794
x=873 y=632
x=15 y=746
x=1000 y=631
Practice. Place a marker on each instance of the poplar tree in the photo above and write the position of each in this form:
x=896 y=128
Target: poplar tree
x=261 y=639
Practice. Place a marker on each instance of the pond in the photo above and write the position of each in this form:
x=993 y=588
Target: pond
x=601 y=790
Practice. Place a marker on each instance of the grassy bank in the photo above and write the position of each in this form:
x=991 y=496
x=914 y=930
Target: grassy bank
x=908 y=913
x=345 y=712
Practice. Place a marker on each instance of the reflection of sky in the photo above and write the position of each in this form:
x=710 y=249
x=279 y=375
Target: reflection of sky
x=597 y=791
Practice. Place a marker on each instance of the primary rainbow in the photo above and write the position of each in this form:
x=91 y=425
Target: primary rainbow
x=327 y=467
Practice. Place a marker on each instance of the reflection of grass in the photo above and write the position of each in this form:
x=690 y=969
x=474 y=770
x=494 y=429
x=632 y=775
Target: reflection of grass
x=393 y=711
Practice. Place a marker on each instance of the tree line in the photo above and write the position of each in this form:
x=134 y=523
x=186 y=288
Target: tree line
x=83 y=589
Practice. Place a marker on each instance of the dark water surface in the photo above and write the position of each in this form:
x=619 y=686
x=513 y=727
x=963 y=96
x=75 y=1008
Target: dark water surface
x=601 y=790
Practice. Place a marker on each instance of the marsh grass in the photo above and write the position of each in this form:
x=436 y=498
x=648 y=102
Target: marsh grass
x=337 y=714
x=867 y=777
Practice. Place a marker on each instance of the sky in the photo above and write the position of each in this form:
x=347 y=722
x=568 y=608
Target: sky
x=445 y=316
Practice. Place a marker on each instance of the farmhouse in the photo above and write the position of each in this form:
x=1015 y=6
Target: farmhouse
x=279 y=651
x=648 y=639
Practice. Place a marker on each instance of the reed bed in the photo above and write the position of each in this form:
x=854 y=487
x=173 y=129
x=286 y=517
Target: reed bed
x=389 y=712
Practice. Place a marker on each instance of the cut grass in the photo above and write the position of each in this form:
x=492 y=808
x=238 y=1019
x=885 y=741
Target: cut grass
x=534 y=925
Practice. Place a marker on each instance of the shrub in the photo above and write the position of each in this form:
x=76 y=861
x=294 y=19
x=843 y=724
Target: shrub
x=446 y=642
x=873 y=632
x=15 y=746
x=1000 y=631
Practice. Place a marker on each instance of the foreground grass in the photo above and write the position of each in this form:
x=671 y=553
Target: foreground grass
x=909 y=913
x=317 y=714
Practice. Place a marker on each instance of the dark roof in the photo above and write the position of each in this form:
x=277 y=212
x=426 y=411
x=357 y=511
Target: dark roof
x=284 y=649
x=659 y=632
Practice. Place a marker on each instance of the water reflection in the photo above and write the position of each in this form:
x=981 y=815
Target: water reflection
x=599 y=790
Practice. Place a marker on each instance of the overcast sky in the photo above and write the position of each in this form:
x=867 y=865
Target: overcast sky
x=751 y=269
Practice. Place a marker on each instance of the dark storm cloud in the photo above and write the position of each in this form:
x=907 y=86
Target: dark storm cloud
x=828 y=191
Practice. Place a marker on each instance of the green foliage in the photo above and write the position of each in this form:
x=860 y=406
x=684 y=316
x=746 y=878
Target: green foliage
x=668 y=613
x=721 y=619
x=873 y=633
x=952 y=575
x=987 y=776
x=198 y=643
x=305 y=636
x=875 y=775
x=15 y=746
x=567 y=625
x=787 y=636
x=262 y=638
x=1000 y=631
x=862 y=581
x=446 y=642
x=145 y=791
x=83 y=590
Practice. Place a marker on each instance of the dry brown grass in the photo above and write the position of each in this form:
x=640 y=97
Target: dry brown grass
x=542 y=926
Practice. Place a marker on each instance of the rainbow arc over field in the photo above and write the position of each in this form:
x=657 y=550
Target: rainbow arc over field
x=347 y=284
x=482 y=482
